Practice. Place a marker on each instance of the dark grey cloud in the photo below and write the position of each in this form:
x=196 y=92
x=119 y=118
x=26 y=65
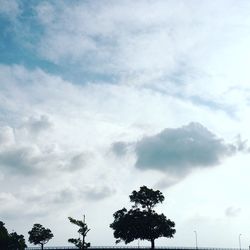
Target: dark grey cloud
x=177 y=151
x=19 y=160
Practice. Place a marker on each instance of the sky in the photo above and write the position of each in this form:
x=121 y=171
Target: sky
x=98 y=98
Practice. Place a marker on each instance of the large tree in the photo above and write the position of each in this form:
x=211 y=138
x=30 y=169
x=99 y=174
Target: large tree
x=12 y=241
x=83 y=230
x=141 y=221
x=40 y=235
x=16 y=241
x=4 y=236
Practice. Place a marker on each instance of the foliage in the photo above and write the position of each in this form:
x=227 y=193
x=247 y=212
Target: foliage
x=40 y=235
x=83 y=230
x=4 y=236
x=141 y=221
x=11 y=241
x=146 y=198
x=16 y=241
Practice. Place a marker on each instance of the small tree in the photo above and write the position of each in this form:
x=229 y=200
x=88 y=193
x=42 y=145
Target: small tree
x=40 y=235
x=141 y=221
x=83 y=230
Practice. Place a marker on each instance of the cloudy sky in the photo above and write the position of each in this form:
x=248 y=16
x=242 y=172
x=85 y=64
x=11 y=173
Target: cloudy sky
x=98 y=98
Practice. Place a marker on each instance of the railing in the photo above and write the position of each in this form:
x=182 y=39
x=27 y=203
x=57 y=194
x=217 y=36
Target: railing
x=133 y=248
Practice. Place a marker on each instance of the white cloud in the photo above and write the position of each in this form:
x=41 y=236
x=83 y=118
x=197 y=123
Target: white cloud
x=193 y=51
x=36 y=125
x=172 y=63
x=140 y=37
x=77 y=125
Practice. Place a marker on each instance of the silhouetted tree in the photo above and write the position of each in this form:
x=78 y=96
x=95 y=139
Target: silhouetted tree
x=141 y=221
x=4 y=236
x=16 y=242
x=11 y=241
x=40 y=235
x=83 y=230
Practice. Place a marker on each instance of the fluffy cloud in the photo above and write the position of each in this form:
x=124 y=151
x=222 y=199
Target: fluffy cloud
x=34 y=159
x=165 y=51
x=160 y=39
x=178 y=151
x=97 y=72
x=20 y=160
x=20 y=152
x=36 y=125
x=11 y=205
x=78 y=161
x=23 y=151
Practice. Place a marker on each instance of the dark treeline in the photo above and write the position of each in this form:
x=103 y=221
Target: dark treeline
x=139 y=222
x=12 y=240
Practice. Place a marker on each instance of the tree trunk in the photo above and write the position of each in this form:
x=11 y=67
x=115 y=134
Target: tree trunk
x=152 y=243
x=42 y=246
x=83 y=242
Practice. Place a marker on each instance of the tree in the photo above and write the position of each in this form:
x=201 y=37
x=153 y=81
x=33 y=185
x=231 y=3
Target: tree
x=40 y=235
x=16 y=241
x=11 y=241
x=4 y=236
x=83 y=230
x=141 y=221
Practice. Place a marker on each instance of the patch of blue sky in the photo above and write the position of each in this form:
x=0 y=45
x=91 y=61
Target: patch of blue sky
x=214 y=105
x=13 y=49
x=195 y=99
x=19 y=39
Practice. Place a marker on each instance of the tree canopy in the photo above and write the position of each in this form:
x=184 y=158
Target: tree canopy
x=141 y=221
x=40 y=235
x=4 y=236
x=12 y=241
x=83 y=230
x=146 y=198
x=16 y=241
